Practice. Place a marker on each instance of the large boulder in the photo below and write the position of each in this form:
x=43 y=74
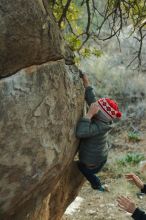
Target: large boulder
x=40 y=106
x=41 y=100
x=28 y=35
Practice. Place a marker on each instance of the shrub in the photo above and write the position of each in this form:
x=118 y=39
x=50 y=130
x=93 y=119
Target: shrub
x=137 y=111
x=134 y=136
x=114 y=79
x=131 y=158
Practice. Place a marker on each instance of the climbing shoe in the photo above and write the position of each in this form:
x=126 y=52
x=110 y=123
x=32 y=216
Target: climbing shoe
x=103 y=188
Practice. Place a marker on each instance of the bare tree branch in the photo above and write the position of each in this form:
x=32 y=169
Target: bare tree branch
x=115 y=15
x=64 y=12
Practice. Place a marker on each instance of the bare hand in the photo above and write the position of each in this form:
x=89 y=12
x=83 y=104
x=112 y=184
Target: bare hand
x=126 y=204
x=93 y=109
x=131 y=177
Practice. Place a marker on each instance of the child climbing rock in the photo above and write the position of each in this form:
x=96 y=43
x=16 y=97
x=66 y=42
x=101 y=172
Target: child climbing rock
x=92 y=130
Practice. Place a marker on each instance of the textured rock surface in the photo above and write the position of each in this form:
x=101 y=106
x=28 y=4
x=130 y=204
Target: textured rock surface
x=40 y=106
x=28 y=35
x=41 y=99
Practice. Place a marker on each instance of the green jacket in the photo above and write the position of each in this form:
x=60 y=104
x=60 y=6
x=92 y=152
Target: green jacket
x=93 y=147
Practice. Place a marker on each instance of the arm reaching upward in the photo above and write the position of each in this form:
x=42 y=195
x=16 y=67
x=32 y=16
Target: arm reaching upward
x=89 y=93
x=85 y=79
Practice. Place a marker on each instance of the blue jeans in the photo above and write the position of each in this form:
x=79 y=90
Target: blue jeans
x=89 y=173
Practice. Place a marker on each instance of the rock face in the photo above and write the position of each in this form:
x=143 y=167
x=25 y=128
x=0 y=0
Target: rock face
x=40 y=103
x=28 y=35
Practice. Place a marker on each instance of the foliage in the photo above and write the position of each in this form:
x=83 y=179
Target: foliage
x=71 y=15
x=72 y=25
x=137 y=11
x=134 y=136
x=131 y=158
x=114 y=80
x=85 y=22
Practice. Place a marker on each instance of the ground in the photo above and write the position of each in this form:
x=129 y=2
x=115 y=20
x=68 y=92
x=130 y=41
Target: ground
x=101 y=206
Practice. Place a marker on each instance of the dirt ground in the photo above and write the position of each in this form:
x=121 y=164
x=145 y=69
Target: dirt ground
x=101 y=206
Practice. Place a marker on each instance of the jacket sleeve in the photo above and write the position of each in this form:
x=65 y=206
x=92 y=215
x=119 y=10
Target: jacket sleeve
x=144 y=189
x=85 y=128
x=139 y=214
x=89 y=95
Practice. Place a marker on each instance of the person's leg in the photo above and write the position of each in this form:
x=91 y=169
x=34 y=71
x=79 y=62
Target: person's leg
x=101 y=187
x=90 y=175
